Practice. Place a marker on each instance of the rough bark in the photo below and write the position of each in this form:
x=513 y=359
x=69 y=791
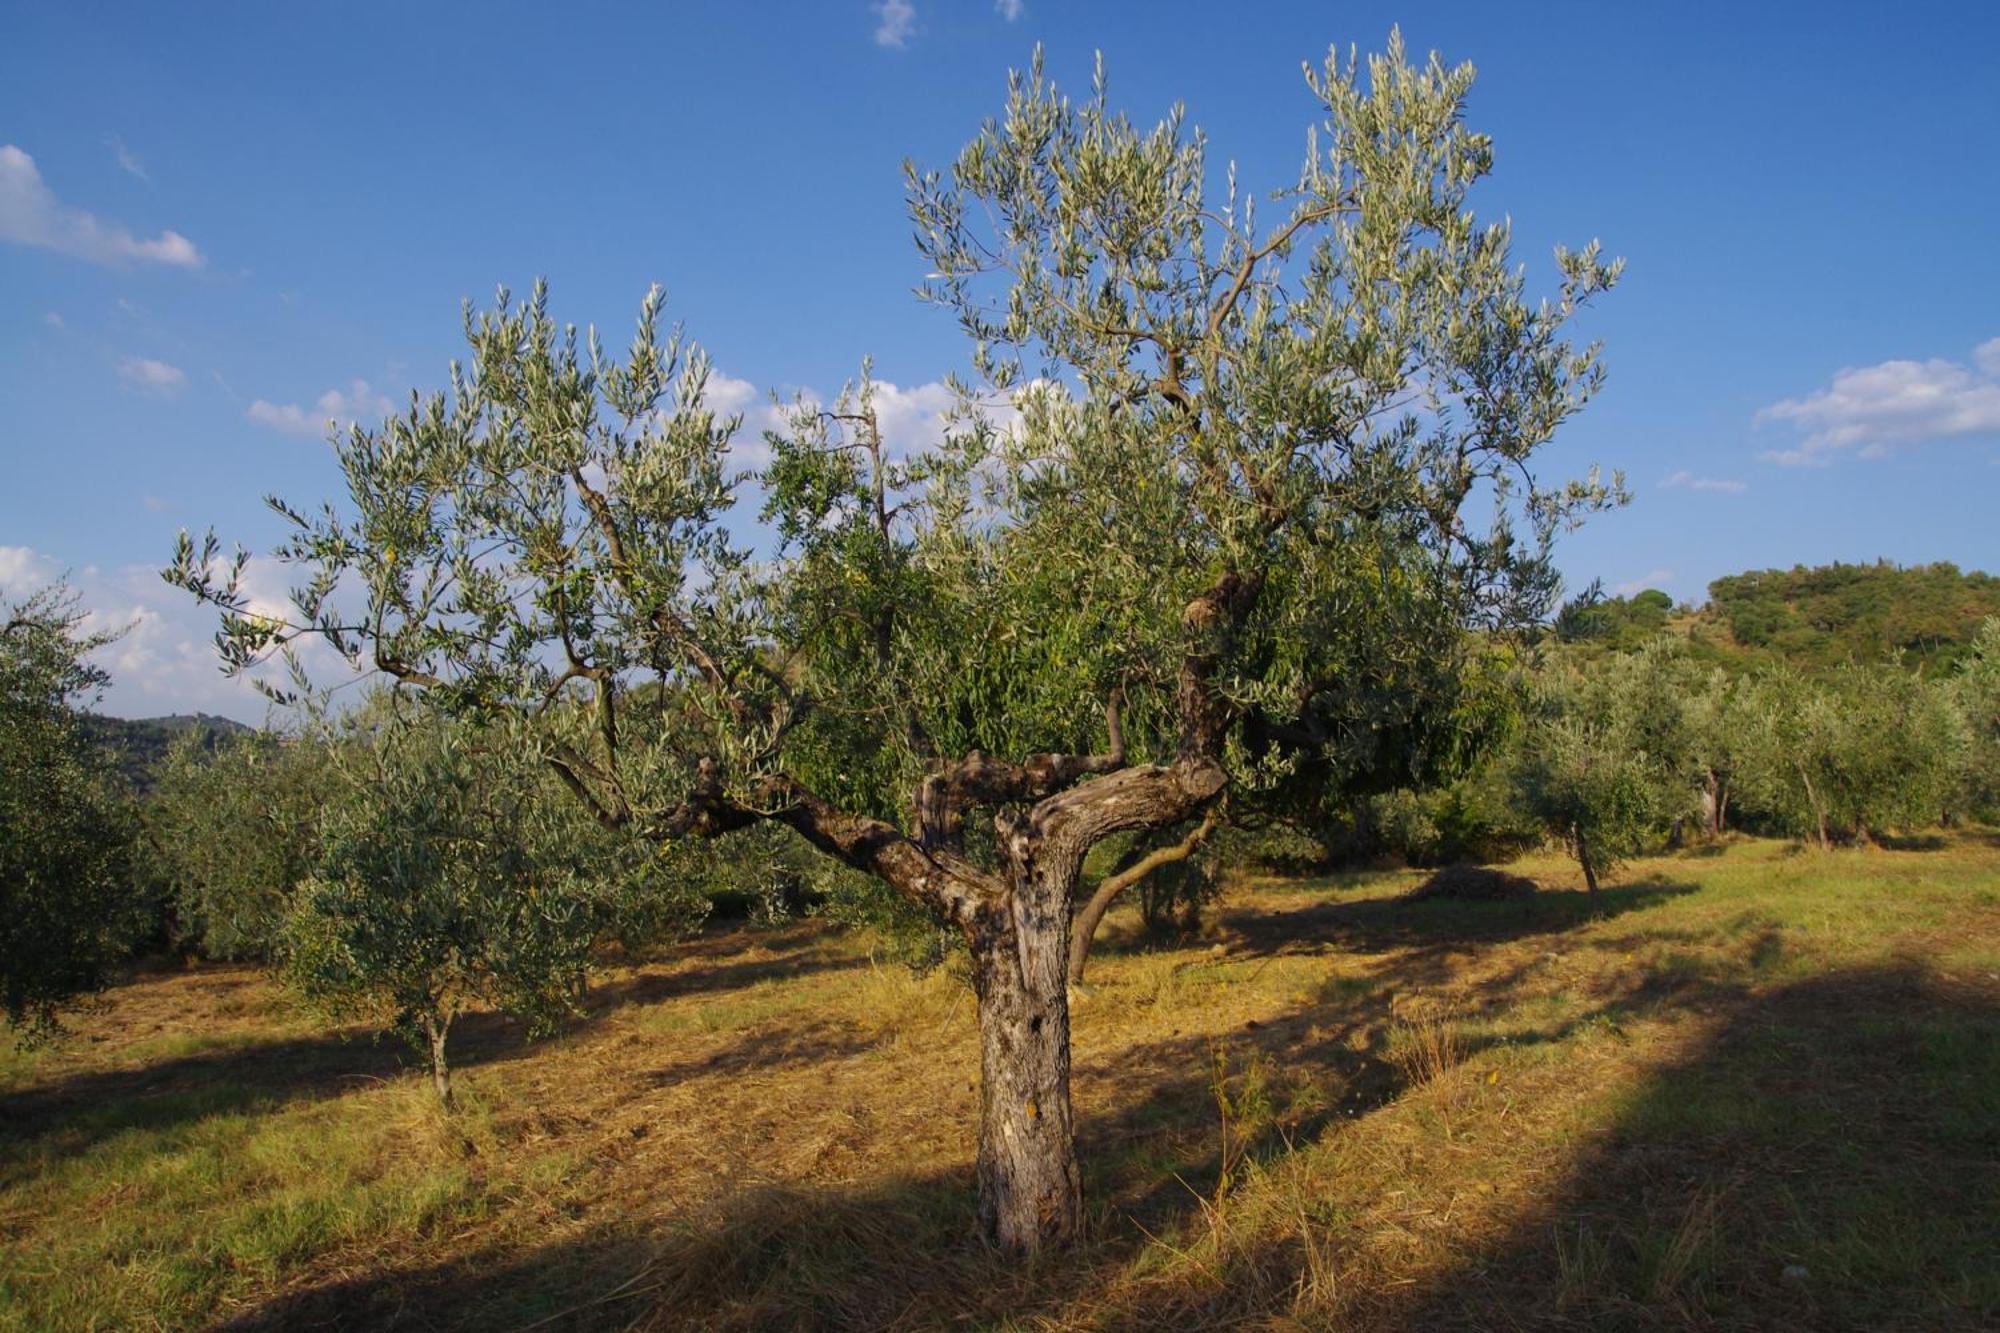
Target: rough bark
x=1583 y=859
x=1030 y=1192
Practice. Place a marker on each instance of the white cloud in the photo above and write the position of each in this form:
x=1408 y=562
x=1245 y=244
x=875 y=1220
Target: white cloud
x=334 y=409
x=128 y=161
x=30 y=214
x=898 y=22
x=725 y=395
x=153 y=376
x=912 y=420
x=1685 y=480
x=1656 y=578
x=165 y=659
x=23 y=570
x=1008 y=9
x=1875 y=410
x=54 y=320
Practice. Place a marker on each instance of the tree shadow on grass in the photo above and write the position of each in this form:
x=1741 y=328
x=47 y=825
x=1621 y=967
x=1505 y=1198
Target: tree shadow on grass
x=652 y=987
x=1376 y=925
x=1828 y=1159
x=72 y=1114
x=894 y=1255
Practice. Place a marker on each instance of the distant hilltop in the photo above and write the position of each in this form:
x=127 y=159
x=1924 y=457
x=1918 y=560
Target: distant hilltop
x=1811 y=618
x=141 y=742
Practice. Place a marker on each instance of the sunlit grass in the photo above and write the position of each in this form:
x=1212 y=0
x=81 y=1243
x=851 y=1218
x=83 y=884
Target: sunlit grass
x=1759 y=1086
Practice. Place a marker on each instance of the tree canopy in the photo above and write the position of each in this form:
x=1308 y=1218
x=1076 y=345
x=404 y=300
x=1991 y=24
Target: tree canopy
x=66 y=915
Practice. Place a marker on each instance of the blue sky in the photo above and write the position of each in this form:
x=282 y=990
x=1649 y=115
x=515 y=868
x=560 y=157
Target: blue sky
x=221 y=223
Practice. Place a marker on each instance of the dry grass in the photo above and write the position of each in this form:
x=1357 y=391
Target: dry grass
x=1338 y=1109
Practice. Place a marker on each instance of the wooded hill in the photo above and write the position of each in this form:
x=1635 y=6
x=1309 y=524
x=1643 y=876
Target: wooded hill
x=141 y=742
x=1811 y=618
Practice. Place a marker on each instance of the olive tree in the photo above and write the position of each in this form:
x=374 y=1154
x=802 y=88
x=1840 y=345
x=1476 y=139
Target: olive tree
x=231 y=831
x=1582 y=769
x=1209 y=458
x=1850 y=753
x=1975 y=692
x=446 y=877
x=67 y=910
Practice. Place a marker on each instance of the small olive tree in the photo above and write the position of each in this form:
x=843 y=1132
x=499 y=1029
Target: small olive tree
x=1582 y=770
x=1239 y=455
x=447 y=879
x=1975 y=692
x=1844 y=755
x=68 y=913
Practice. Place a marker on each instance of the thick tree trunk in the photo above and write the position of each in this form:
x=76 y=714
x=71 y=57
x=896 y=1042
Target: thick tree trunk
x=1030 y=1194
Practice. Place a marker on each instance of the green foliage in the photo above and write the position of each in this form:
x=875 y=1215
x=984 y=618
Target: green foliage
x=1305 y=412
x=447 y=877
x=67 y=910
x=1861 y=751
x=1821 y=617
x=1619 y=623
x=230 y=831
x=1976 y=695
x=1593 y=767
x=140 y=745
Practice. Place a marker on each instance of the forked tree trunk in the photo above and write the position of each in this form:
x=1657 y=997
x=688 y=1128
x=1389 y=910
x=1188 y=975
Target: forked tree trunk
x=1030 y=1193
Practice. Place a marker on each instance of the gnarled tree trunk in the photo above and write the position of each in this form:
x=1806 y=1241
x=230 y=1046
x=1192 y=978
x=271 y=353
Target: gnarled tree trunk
x=437 y=1029
x=1030 y=1194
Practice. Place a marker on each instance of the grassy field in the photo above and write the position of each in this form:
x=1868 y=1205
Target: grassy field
x=1756 y=1088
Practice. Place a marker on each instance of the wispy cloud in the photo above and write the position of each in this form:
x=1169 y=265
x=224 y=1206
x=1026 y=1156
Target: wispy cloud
x=54 y=320
x=331 y=410
x=1654 y=578
x=1874 y=410
x=30 y=214
x=897 y=22
x=128 y=161
x=153 y=376
x=1685 y=480
x=1008 y=9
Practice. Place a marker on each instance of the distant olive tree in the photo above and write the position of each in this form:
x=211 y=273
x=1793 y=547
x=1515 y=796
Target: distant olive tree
x=1975 y=692
x=68 y=913
x=446 y=879
x=230 y=832
x=1848 y=754
x=1240 y=454
x=1582 y=771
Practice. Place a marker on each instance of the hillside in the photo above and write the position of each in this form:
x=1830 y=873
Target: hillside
x=140 y=743
x=1811 y=618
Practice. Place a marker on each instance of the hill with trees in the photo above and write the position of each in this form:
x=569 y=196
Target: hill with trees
x=139 y=744
x=1811 y=618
